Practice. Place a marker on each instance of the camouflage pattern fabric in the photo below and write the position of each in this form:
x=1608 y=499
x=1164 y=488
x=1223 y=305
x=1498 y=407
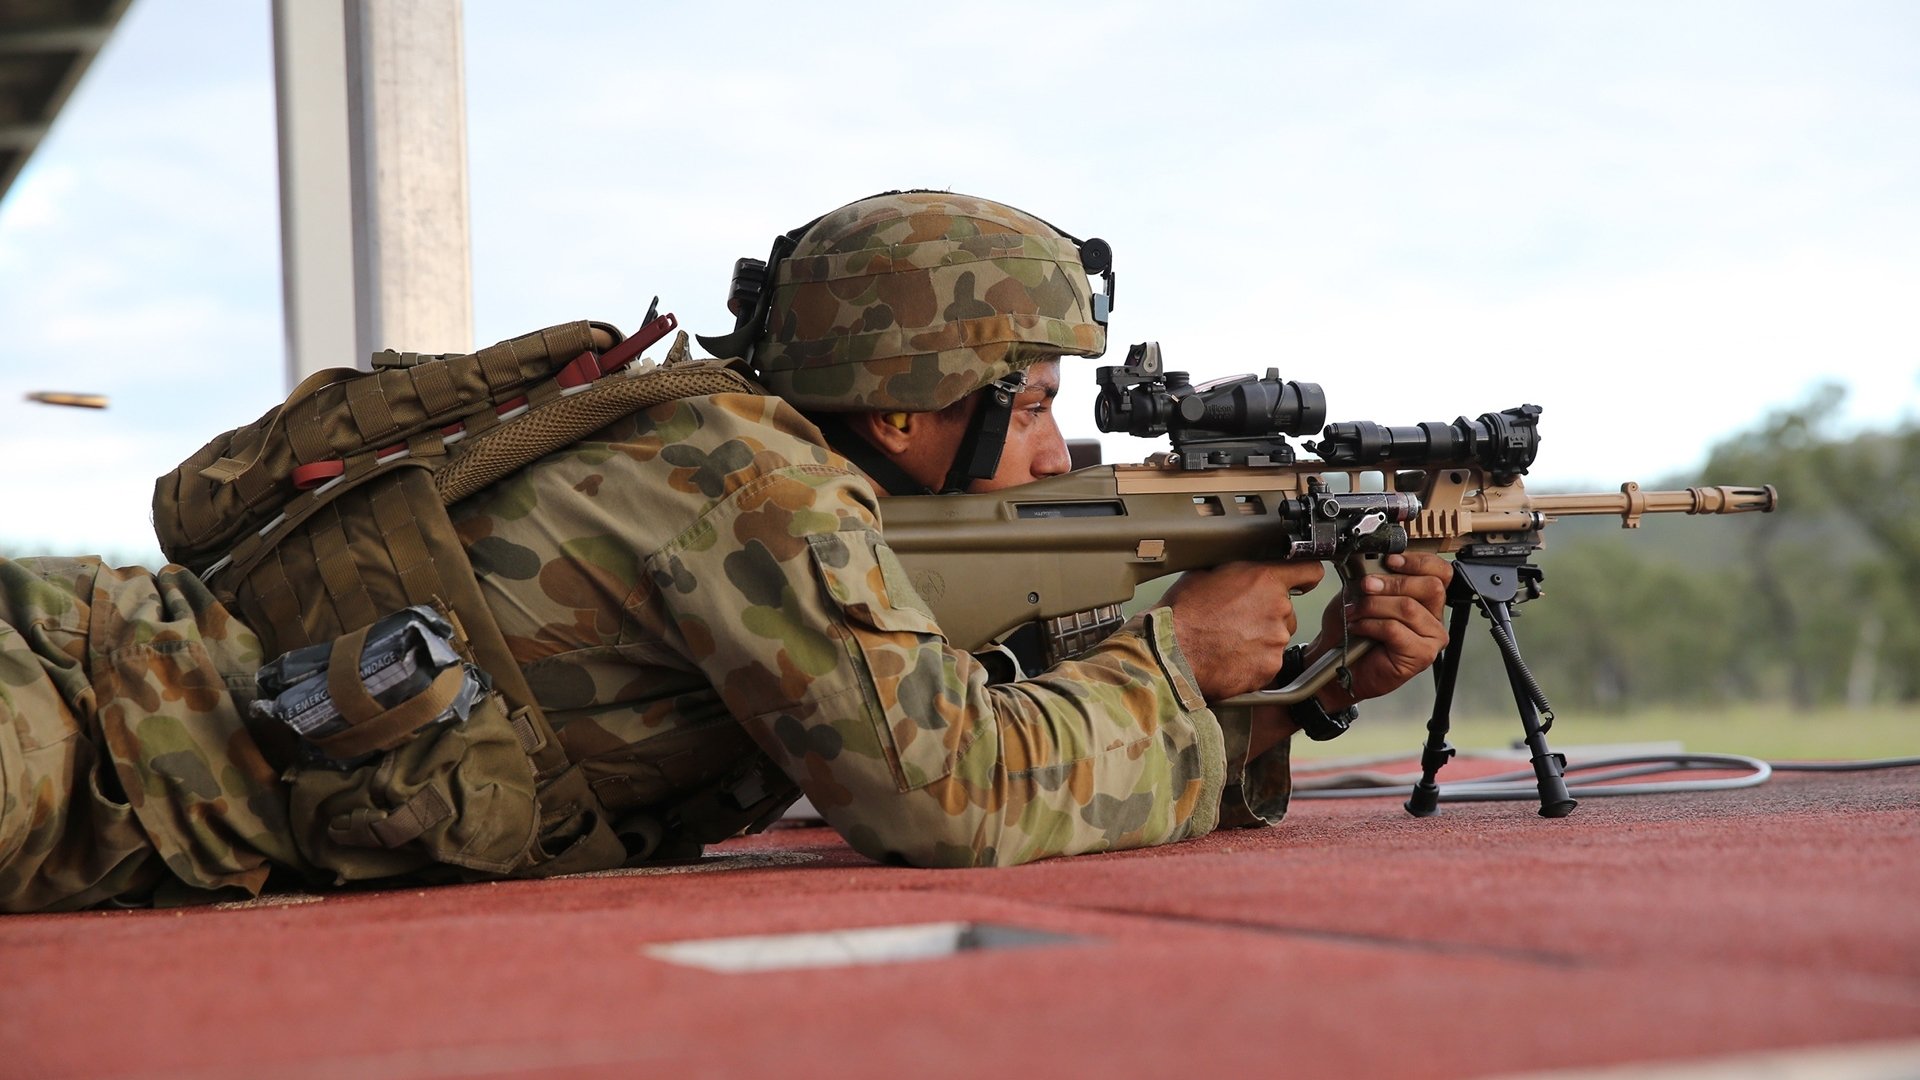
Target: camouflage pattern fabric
x=914 y=300
x=125 y=770
x=703 y=561
x=712 y=559
x=1258 y=788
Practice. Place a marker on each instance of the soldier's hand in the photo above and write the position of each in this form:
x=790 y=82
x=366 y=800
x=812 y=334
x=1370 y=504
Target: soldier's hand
x=1400 y=611
x=1234 y=622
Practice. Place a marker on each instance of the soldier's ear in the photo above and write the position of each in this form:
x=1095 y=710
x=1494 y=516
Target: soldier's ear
x=891 y=432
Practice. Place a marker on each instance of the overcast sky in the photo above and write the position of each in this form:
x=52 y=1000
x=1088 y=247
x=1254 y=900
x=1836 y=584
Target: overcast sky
x=1657 y=220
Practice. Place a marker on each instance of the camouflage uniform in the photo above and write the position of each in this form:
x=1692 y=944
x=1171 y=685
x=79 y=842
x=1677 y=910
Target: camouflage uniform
x=700 y=598
x=705 y=560
x=708 y=573
x=125 y=768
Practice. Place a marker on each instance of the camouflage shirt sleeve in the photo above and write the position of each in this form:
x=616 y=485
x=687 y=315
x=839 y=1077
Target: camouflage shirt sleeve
x=784 y=593
x=1259 y=787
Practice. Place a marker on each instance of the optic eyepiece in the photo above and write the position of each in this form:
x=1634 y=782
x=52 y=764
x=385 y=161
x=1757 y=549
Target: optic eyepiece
x=1503 y=443
x=1145 y=400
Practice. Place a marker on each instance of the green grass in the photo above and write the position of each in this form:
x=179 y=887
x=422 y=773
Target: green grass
x=1774 y=732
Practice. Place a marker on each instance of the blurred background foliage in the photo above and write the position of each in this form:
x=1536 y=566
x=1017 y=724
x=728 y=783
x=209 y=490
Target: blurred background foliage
x=1812 y=608
x=1814 y=604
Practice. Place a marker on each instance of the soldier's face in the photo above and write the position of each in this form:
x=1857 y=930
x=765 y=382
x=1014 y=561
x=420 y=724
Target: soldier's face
x=1035 y=448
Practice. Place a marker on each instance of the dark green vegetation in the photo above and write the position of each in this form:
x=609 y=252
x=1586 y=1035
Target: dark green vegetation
x=1814 y=605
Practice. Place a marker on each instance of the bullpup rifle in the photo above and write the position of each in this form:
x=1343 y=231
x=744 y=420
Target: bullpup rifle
x=1040 y=572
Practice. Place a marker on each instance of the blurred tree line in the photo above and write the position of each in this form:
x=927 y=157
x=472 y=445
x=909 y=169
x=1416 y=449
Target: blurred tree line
x=1817 y=603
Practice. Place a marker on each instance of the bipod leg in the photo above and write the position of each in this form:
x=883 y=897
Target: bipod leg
x=1425 y=798
x=1549 y=768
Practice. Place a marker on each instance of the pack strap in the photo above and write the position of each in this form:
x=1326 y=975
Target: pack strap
x=486 y=458
x=370 y=726
x=428 y=807
x=339 y=574
x=434 y=384
x=245 y=475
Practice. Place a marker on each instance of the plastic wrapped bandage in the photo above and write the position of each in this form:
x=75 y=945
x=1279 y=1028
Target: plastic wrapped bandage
x=406 y=677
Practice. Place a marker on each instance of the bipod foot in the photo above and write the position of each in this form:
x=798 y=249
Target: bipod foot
x=1425 y=800
x=1555 y=800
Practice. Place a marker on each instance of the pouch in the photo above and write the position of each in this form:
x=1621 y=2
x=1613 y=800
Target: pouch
x=408 y=758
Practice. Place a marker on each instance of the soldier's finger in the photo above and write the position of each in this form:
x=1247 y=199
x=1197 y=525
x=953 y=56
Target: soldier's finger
x=1421 y=563
x=1298 y=578
x=1399 y=611
x=1430 y=592
x=1407 y=648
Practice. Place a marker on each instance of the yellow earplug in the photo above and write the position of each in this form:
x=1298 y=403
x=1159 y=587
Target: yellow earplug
x=897 y=419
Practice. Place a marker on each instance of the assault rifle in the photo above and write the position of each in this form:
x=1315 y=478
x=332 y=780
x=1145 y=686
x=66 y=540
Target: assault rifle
x=1040 y=572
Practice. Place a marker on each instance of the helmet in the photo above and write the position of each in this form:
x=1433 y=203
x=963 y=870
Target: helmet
x=913 y=300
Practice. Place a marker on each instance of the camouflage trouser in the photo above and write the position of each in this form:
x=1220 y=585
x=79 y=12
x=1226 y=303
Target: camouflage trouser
x=125 y=769
x=127 y=772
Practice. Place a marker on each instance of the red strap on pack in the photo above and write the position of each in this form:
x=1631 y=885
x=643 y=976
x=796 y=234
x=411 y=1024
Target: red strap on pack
x=314 y=473
x=579 y=371
x=587 y=367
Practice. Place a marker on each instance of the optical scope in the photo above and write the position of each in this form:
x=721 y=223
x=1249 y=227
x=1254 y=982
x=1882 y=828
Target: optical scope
x=1146 y=401
x=1503 y=443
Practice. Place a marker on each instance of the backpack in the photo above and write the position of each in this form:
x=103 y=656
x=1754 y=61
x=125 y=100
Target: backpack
x=329 y=512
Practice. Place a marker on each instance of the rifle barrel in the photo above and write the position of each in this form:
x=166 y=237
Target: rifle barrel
x=1630 y=502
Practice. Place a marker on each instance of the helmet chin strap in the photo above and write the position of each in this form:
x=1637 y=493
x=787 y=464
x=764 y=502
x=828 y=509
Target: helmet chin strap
x=976 y=458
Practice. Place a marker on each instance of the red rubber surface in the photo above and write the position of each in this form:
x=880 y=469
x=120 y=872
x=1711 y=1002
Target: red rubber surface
x=1353 y=941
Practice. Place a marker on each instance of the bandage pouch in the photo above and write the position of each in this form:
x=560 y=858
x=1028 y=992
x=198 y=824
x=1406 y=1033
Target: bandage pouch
x=407 y=760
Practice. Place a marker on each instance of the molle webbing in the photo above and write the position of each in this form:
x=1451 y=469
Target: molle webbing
x=330 y=511
x=373 y=550
x=370 y=534
x=237 y=482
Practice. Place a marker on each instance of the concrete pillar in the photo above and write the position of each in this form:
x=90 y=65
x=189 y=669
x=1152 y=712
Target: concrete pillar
x=373 y=179
x=316 y=187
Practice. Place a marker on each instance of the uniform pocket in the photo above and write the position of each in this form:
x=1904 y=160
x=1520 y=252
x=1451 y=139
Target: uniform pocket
x=460 y=795
x=914 y=688
x=409 y=757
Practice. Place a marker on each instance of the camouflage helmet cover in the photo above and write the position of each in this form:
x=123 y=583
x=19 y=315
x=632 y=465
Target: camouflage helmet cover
x=913 y=300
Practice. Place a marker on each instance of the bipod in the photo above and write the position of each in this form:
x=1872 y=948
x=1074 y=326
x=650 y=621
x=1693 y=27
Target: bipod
x=1492 y=584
